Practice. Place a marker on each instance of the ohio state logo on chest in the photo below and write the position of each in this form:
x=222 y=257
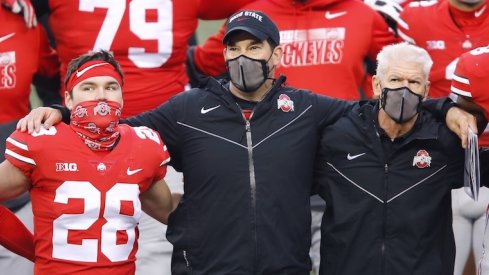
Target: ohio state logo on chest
x=285 y=103
x=422 y=159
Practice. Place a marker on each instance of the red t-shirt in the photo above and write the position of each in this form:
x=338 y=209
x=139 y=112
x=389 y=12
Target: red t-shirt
x=86 y=204
x=325 y=43
x=429 y=25
x=148 y=39
x=23 y=53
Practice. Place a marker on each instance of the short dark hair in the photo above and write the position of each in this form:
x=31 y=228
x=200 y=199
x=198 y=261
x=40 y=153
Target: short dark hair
x=272 y=43
x=98 y=55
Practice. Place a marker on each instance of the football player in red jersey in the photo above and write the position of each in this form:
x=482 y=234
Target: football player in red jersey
x=447 y=29
x=90 y=180
x=148 y=38
x=469 y=88
x=325 y=43
x=23 y=53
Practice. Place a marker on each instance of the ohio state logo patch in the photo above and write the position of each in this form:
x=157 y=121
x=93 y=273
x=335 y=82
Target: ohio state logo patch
x=284 y=103
x=422 y=159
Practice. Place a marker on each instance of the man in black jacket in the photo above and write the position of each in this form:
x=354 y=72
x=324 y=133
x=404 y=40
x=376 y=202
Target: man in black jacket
x=386 y=171
x=247 y=150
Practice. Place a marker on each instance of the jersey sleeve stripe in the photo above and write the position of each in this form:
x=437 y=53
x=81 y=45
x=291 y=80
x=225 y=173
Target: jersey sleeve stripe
x=460 y=92
x=164 y=162
x=19 y=157
x=405 y=37
x=403 y=24
x=461 y=79
x=17 y=144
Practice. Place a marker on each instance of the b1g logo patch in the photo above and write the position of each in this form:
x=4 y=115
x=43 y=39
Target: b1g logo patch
x=7 y=70
x=422 y=159
x=66 y=167
x=284 y=103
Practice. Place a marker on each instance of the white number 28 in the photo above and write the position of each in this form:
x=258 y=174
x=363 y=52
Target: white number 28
x=87 y=251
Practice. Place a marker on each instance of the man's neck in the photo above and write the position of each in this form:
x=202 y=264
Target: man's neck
x=255 y=96
x=465 y=7
x=392 y=128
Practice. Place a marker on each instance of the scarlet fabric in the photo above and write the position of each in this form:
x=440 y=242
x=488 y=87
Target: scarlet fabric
x=148 y=38
x=14 y=235
x=85 y=203
x=325 y=43
x=97 y=123
x=429 y=24
x=23 y=53
x=92 y=69
x=471 y=79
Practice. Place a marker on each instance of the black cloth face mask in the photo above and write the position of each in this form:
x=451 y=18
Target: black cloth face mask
x=400 y=104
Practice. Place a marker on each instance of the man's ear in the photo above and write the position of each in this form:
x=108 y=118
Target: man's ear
x=278 y=52
x=427 y=92
x=68 y=100
x=376 y=86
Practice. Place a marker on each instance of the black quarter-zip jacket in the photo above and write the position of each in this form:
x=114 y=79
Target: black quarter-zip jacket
x=388 y=214
x=247 y=184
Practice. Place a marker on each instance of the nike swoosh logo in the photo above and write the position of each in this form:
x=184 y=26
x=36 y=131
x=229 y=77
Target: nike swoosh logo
x=132 y=172
x=480 y=12
x=80 y=73
x=350 y=157
x=5 y=37
x=330 y=15
x=205 y=111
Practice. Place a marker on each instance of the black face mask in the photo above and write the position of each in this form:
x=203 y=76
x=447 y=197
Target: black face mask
x=400 y=104
x=246 y=73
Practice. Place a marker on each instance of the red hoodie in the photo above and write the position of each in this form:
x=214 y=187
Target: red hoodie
x=325 y=43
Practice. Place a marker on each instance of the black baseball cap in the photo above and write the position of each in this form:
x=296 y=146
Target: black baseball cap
x=254 y=22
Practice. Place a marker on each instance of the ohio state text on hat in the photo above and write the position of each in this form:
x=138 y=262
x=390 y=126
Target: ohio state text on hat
x=254 y=22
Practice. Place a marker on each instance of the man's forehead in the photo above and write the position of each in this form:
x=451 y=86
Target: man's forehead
x=405 y=70
x=99 y=80
x=239 y=36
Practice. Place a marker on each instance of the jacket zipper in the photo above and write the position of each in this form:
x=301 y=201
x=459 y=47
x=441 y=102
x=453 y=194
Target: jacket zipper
x=187 y=263
x=251 y=167
x=384 y=218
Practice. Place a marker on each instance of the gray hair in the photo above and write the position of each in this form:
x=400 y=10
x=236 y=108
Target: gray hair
x=403 y=52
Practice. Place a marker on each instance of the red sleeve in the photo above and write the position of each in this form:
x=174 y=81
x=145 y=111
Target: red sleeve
x=208 y=57
x=18 y=153
x=48 y=59
x=381 y=36
x=14 y=235
x=404 y=28
x=208 y=10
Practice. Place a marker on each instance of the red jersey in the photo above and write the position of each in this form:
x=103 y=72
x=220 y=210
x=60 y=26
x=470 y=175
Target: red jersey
x=431 y=25
x=86 y=204
x=148 y=38
x=325 y=43
x=23 y=53
x=471 y=79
